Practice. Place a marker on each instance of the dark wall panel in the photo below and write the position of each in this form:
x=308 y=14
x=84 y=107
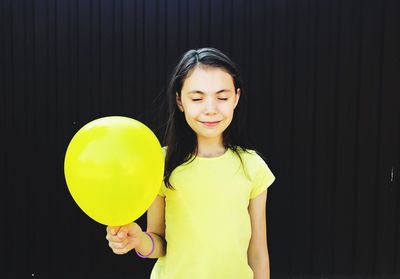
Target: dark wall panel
x=322 y=82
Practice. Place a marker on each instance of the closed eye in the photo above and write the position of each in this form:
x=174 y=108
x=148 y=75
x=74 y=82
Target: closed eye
x=196 y=100
x=223 y=99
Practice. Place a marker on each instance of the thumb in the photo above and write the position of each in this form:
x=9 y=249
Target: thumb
x=122 y=233
x=133 y=229
x=112 y=230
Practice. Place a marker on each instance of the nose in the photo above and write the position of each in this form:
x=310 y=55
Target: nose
x=210 y=106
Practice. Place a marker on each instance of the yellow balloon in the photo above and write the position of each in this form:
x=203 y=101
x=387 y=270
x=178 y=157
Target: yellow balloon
x=114 y=168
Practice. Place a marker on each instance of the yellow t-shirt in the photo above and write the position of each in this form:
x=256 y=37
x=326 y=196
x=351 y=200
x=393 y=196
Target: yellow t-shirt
x=208 y=226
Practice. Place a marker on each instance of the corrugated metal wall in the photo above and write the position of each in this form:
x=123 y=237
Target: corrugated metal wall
x=322 y=79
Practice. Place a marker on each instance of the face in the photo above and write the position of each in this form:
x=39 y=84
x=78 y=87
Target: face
x=208 y=100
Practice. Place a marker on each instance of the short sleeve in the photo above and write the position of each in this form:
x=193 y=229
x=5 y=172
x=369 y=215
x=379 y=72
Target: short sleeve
x=263 y=178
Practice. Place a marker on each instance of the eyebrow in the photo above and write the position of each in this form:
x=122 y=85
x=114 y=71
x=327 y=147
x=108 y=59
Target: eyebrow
x=201 y=92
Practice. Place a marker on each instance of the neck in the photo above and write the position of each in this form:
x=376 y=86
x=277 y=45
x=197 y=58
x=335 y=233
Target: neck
x=210 y=147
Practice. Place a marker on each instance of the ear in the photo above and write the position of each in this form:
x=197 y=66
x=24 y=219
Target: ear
x=237 y=96
x=179 y=101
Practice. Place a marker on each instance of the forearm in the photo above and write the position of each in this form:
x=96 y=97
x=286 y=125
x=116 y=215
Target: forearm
x=260 y=266
x=146 y=245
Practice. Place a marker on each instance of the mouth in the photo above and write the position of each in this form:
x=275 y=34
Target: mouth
x=210 y=123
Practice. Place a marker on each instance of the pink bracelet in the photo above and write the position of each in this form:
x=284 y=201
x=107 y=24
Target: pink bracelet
x=152 y=249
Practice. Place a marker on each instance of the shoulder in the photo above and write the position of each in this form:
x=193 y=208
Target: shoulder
x=251 y=157
x=254 y=163
x=257 y=170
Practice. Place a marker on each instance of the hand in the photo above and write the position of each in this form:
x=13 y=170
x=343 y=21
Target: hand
x=125 y=238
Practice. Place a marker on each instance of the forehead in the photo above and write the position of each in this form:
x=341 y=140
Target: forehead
x=207 y=79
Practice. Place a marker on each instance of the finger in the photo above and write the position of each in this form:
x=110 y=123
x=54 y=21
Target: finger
x=112 y=230
x=118 y=245
x=114 y=238
x=121 y=248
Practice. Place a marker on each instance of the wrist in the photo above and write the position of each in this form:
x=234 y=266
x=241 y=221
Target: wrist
x=142 y=239
x=144 y=236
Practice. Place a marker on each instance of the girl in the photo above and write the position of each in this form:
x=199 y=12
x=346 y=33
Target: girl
x=208 y=220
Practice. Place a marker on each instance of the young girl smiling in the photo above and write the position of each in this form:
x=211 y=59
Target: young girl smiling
x=208 y=220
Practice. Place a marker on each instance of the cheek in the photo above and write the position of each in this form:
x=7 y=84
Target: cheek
x=228 y=110
x=192 y=110
x=190 y=114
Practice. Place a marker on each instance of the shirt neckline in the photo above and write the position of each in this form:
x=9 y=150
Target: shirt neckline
x=214 y=158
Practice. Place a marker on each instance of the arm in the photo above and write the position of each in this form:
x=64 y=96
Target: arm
x=257 y=253
x=125 y=238
x=155 y=227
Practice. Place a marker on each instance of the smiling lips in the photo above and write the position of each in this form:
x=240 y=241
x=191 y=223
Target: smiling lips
x=210 y=123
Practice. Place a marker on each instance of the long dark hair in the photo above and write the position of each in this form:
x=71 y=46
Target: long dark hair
x=180 y=139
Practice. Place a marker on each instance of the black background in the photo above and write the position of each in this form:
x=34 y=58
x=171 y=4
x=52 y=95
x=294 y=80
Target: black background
x=322 y=80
